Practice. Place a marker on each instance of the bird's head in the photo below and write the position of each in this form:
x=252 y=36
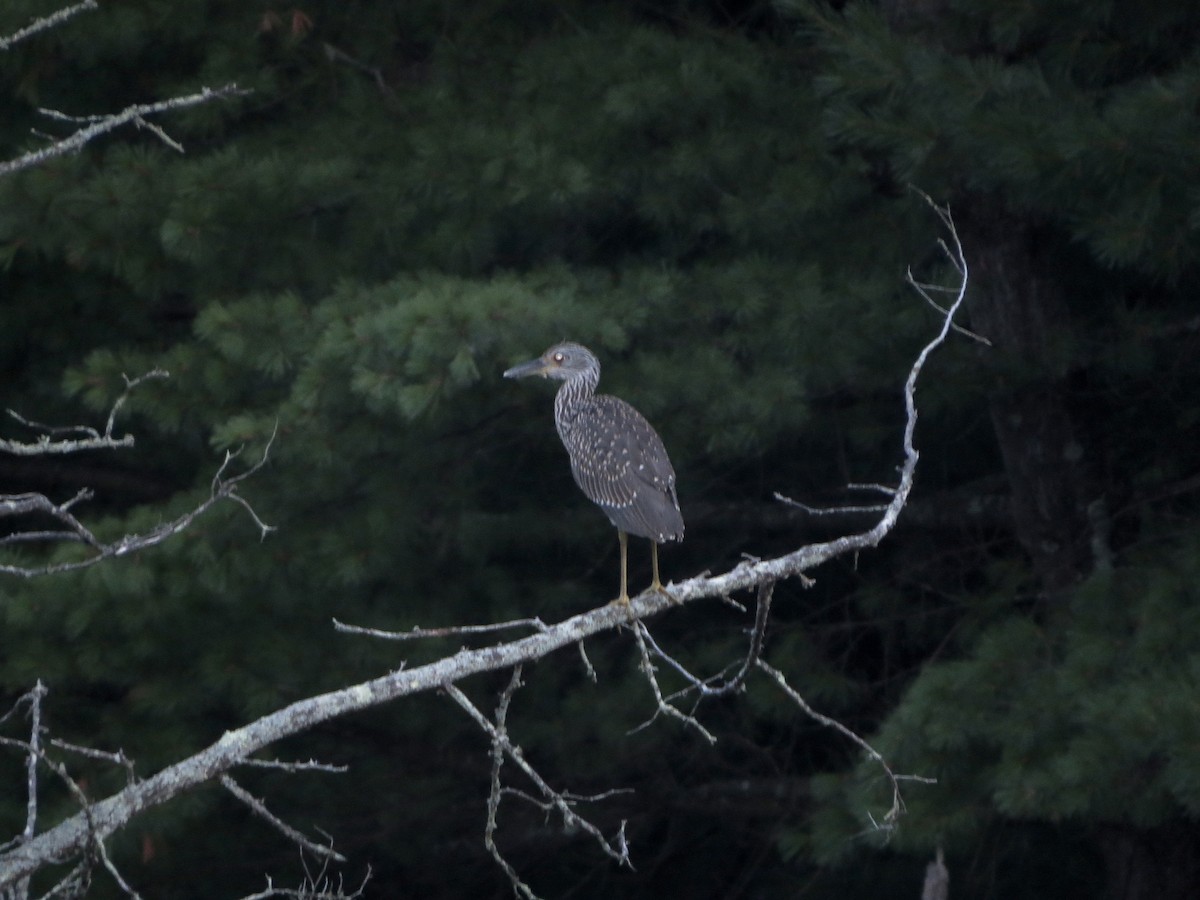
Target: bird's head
x=561 y=362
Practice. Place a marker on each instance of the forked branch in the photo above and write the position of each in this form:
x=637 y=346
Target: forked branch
x=70 y=838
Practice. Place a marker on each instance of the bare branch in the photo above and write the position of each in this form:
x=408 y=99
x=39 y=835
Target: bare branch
x=493 y=804
x=560 y=801
x=24 y=504
x=260 y=810
x=449 y=631
x=100 y=850
x=51 y=21
x=758 y=635
x=223 y=488
x=281 y=766
x=71 y=837
x=31 y=760
x=924 y=290
x=640 y=632
x=314 y=888
x=91 y=438
x=897 y=808
x=713 y=686
x=117 y=759
x=334 y=54
x=829 y=511
x=94 y=126
x=588 y=668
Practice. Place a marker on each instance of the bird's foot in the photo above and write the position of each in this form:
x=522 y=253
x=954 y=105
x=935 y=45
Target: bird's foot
x=658 y=588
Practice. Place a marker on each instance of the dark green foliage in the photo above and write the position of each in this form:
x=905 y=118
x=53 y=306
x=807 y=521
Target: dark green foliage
x=713 y=197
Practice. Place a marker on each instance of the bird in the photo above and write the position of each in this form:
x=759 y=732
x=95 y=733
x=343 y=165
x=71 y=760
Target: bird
x=617 y=458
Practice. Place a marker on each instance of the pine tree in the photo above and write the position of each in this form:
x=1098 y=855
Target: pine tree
x=415 y=196
x=1065 y=137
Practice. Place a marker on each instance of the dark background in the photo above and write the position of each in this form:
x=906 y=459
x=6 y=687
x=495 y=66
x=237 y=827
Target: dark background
x=715 y=198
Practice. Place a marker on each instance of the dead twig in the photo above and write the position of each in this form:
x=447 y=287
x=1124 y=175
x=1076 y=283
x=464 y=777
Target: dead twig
x=561 y=803
x=897 y=808
x=93 y=126
x=44 y=22
x=223 y=488
x=448 y=631
x=259 y=809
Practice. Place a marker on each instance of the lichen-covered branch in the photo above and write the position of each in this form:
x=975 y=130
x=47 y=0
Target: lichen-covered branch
x=56 y=440
x=45 y=22
x=223 y=487
x=72 y=837
x=92 y=126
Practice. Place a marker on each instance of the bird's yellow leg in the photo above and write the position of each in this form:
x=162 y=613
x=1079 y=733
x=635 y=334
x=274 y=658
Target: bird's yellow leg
x=655 y=585
x=658 y=585
x=624 y=598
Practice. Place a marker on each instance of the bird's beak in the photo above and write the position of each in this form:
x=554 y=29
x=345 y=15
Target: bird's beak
x=525 y=369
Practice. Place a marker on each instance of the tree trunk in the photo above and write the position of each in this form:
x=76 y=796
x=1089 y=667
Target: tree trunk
x=1024 y=316
x=1160 y=863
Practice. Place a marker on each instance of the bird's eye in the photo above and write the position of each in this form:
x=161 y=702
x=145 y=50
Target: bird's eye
x=558 y=357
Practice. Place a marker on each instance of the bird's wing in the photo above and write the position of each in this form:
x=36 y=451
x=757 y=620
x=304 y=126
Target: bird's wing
x=622 y=466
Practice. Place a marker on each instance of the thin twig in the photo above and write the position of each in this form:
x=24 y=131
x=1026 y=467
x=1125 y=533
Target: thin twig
x=924 y=289
x=570 y=797
x=588 y=668
x=758 y=635
x=842 y=510
x=897 y=808
x=312 y=889
x=117 y=759
x=223 y=488
x=493 y=803
x=50 y=21
x=281 y=766
x=620 y=853
x=334 y=54
x=260 y=810
x=714 y=686
x=101 y=851
x=74 y=884
x=662 y=706
x=449 y=631
x=94 y=126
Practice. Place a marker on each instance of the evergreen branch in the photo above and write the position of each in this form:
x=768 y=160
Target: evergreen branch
x=51 y=21
x=94 y=126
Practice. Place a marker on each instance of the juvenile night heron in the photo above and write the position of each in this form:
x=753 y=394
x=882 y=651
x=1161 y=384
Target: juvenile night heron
x=617 y=458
